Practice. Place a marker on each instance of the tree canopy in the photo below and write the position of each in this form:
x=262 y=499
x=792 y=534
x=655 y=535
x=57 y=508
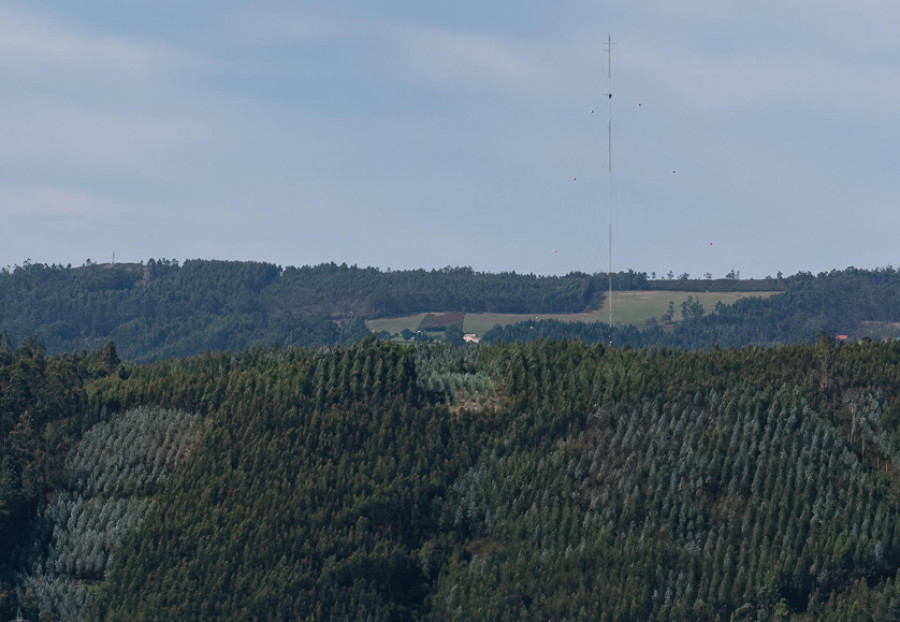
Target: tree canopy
x=550 y=480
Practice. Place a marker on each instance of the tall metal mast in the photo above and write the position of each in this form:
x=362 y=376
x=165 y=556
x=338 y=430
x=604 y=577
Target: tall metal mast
x=609 y=44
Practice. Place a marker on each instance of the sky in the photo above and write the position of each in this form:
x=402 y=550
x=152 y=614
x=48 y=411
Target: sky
x=756 y=137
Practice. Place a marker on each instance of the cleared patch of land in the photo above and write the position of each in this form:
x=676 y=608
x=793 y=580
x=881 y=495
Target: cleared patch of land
x=636 y=307
x=395 y=324
x=441 y=321
x=880 y=330
x=629 y=307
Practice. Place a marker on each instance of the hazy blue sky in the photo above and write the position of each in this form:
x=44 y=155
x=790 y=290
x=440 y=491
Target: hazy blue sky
x=759 y=136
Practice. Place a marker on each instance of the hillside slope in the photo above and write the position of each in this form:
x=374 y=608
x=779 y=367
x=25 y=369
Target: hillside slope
x=163 y=309
x=851 y=302
x=555 y=480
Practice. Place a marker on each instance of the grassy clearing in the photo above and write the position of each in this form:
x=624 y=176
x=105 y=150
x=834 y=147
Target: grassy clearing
x=632 y=307
x=880 y=330
x=639 y=306
x=395 y=324
x=441 y=321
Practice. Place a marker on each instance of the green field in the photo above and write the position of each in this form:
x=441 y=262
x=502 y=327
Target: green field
x=395 y=324
x=631 y=307
x=639 y=306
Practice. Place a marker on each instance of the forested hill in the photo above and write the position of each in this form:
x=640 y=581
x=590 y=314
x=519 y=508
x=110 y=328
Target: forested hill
x=857 y=303
x=163 y=309
x=393 y=482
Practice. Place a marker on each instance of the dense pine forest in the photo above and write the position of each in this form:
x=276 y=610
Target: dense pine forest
x=164 y=309
x=858 y=303
x=386 y=481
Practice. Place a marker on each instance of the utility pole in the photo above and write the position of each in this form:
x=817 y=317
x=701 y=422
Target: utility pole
x=609 y=44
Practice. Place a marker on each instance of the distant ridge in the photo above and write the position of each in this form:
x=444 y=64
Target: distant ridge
x=164 y=308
